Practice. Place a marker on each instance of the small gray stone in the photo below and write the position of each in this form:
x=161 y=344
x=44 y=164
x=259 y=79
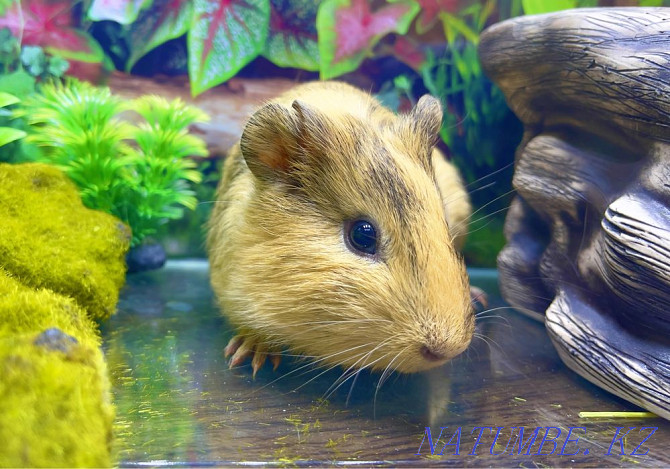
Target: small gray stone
x=55 y=339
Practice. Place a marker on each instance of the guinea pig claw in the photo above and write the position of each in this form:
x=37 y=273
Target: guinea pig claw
x=276 y=360
x=233 y=345
x=241 y=354
x=477 y=295
x=258 y=360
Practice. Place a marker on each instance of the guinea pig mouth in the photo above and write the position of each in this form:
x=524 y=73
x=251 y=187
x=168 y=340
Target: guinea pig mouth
x=433 y=355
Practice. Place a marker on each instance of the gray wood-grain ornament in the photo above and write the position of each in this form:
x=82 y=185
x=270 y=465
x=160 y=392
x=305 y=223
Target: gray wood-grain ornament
x=588 y=233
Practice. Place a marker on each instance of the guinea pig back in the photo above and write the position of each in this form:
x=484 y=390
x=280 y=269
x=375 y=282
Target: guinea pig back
x=335 y=231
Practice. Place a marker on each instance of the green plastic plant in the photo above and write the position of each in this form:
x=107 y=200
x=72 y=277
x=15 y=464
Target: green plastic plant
x=8 y=134
x=139 y=173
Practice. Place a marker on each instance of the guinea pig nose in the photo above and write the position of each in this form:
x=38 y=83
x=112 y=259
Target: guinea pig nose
x=432 y=355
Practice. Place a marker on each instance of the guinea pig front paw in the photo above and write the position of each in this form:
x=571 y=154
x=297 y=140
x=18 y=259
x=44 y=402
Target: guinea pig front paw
x=242 y=347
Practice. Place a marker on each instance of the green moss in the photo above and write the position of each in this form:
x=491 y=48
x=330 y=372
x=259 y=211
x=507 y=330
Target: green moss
x=61 y=268
x=49 y=239
x=55 y=408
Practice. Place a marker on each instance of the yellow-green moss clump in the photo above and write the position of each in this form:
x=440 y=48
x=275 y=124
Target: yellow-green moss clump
x=55 y=407
x=61 y=268
x=49 y=239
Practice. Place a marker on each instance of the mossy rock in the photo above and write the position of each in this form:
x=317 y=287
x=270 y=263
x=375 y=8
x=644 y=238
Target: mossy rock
x=55 y=406
x=49 y=239
x=61 y=269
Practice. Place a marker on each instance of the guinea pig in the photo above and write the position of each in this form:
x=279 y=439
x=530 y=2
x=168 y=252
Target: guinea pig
x=335 y=235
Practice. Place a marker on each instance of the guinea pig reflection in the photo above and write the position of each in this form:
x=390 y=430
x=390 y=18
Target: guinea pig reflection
x=336 y=234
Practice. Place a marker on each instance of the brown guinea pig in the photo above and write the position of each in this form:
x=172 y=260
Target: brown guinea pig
x=335 y=235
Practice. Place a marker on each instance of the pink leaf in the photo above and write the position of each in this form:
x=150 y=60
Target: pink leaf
x=356 y=26
x=49 y=24
x=409 y=52
x=430 y=11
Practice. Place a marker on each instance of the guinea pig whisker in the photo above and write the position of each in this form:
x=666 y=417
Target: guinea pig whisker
x=487 y=340
x=484 y=187
x=347 y=375
x=351 y=388
x=348 y=372
x=312 y=364
x=491 y=174
x=494 y=319
x=320 y=359
x=488 y=215
x=386 y=373
x=327 y=394
x=502 y=196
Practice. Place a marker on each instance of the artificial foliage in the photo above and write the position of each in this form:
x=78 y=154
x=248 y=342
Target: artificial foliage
x=8 y=134
x=138 y=172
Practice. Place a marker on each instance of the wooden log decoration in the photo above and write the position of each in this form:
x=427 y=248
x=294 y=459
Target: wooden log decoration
x=589 y=231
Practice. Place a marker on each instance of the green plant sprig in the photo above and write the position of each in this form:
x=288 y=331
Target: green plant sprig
x=137 y=172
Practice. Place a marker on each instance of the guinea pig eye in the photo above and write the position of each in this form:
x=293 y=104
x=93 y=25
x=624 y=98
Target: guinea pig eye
x=361 y=237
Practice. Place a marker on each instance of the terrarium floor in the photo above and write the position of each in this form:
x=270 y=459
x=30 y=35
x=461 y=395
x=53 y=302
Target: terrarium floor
x=178 y=404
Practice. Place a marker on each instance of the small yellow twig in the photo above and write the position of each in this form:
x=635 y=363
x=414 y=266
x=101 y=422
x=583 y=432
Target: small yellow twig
x=617 y=415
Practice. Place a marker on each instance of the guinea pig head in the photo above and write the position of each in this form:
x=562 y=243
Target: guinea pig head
x=347 y=255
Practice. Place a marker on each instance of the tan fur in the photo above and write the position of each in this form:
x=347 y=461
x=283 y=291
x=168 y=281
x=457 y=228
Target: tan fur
x=280 y=267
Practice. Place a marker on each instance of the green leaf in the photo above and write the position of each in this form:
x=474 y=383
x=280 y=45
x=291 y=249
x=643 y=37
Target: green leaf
x=165 y=20
x=9 y=134
x=7 y=99
x=34 y=60
x=348 y=31
x=292 y=38
x=454 y=25
x=534 y=7
x=57 y=66
x=80 y=46
x=19 y=83
x=224 y=37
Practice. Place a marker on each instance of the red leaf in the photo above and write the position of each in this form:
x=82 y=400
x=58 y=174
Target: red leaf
x=164 y=20
x=357 y=25
x=225 y=35
x=292 y=37
x=409 y=52
x=48 y=24
x=430 y=12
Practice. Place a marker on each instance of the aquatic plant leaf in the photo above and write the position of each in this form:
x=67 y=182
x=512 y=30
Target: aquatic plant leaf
x=34 y=60
x=164 y=20
x=49 y=24
x=348 y=31
x=19 y=83
x=292 y=38
x=430 y=12
x=121 y=11
x=9 y=134
x=408 y=51
x=225 y=35
x=57 y=66
x=7 y=99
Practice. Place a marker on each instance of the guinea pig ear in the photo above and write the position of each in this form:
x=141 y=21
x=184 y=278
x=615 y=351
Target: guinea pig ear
x=427 y=114
x=423 y=125
x=275 y=137
x=269 y=141
x=312 y=127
